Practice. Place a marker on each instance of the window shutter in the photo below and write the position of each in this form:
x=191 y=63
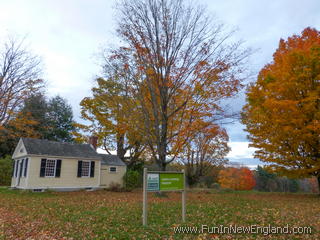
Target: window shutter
x=26 y=167
x=43 y=167
x=16 y=168
x=79 y=168
x=21 y=167
x=13 y=168
x=58 y=168
x=92 y=169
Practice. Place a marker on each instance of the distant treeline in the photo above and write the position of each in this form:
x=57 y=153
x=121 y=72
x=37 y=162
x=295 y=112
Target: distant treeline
x=270 y=182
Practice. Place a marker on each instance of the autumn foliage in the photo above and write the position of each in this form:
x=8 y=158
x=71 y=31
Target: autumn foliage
x=179 y=66
x=237 y=178
x=282 y=115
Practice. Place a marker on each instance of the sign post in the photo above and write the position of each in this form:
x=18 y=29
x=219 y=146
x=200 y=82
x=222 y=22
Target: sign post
x=157 y=181
x=145 y=195
x=184 y=198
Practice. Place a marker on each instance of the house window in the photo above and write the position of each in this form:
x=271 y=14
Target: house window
x=85 y=169
x=113 y=169
x=50 y=168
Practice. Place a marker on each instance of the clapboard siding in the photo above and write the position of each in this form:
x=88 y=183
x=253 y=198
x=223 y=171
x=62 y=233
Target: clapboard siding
x=108 y=178
x=68 y=175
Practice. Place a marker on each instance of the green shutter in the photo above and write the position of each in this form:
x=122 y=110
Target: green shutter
x=58 y=168
x=79 y=169
x=43 y=167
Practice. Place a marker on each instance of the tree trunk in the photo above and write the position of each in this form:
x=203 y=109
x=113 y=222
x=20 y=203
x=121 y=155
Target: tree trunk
x=120 y=146
x=163 y=165
x=318 y=177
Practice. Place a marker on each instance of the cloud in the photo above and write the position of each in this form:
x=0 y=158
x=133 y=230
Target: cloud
x=241 y=153
x=67 y=35
x=240 y=150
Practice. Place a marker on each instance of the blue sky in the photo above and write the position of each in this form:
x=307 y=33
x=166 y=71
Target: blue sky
x=69 y=34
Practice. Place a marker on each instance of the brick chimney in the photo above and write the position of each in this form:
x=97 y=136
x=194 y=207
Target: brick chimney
x=93 y=141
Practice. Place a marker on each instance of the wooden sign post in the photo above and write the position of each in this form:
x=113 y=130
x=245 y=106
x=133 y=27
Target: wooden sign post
x=157 y=181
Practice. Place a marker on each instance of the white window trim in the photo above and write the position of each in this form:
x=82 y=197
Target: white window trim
x=113 y=171
x=88 y=171
x=54 y=171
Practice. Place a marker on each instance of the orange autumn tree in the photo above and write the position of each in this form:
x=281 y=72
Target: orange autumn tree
x=282 y=114
x=236 y=178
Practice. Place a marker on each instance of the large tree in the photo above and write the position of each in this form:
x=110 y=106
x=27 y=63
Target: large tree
x=19 y=77
x=54 y=117
x=282 y=114
x=179 y=65
x=38 y=118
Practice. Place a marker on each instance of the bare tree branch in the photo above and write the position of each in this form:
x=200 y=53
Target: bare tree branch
x=19 y=76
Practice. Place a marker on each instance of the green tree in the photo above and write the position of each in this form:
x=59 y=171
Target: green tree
x=263 y=179
x=60 y=120
x=5 y=170
x=54 y=117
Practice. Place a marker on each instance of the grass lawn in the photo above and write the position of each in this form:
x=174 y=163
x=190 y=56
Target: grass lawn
x=112 y=215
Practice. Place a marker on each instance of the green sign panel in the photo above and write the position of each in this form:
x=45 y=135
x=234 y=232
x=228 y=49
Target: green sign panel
x=171 y=181
x=165 y=181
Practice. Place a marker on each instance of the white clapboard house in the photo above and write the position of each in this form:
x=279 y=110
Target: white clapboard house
x=41 y=164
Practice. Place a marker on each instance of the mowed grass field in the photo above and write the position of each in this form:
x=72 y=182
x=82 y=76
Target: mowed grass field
x=117 y=215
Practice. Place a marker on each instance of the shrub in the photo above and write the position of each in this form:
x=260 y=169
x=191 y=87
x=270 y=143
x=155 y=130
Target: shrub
x=208 y=181
x=215 y=186
x=132 y=179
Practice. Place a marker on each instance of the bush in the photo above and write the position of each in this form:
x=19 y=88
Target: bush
x=132 y=179
x=215 y=186
x=5 y=171
x=115 y=187
x=207 y=180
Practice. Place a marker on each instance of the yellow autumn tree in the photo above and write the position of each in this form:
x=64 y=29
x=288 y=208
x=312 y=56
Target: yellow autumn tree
x=282 y=114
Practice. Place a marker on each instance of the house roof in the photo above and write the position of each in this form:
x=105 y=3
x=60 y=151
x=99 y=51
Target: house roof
x=108 y=159
x=52 y=148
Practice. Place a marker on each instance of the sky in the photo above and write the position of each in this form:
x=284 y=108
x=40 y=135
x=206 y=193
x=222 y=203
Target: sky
x=69 y=34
